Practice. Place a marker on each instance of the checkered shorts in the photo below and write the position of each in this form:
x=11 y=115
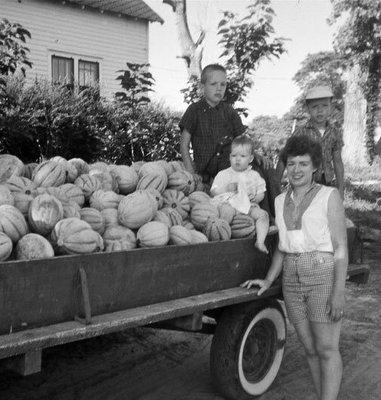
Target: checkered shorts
x=307 y=284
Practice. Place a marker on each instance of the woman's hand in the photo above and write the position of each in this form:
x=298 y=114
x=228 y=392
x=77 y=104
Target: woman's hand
x=263 y=284
x=335 y=306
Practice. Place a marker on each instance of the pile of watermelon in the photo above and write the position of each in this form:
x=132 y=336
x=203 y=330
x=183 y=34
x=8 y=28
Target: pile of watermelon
x=71 y=207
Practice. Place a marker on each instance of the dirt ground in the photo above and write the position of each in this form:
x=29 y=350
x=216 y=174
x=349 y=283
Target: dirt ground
x=148 y=364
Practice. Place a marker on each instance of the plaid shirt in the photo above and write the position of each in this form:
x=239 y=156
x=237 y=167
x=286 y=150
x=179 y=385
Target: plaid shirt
x=207 y=126
x=331 y=141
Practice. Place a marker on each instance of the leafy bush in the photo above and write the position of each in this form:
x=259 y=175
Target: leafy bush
x=42 y=120
x=147 y=133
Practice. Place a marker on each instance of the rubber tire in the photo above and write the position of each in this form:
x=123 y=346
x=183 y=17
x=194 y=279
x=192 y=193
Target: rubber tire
x=229 y=341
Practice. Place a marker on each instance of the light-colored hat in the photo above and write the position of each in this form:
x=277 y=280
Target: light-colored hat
x=318 y=92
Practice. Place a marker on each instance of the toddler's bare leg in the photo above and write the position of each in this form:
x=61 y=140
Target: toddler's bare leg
x=262 y=224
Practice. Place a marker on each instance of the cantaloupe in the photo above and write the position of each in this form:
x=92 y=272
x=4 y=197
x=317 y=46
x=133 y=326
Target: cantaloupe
x=49 y=173
x=102 y=199
x=179 y=235
x=174 y=215
x=10 y=165
x=74 y=236
x=33 y=247
x=44 y=212
x=12 y=222
x=20 y=184
x=117 y=238
x=73 y=192
x=110 y=216
x=6 y=196
x=81 y=166
x=88 y=184
x=226 y=212
x=198 y=197
x=95 y=219
x=153 y=234
x=22 y=202
x=136 y=209
x=126 y=178
x=182 y=181
x=201 y=212
x=154 y=181
x=198 y=237
x=5 y=246
x=217 y=229
x=177 y=200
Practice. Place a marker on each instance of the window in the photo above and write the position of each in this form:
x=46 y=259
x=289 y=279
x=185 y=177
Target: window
x=63 y=70
x=88 y=73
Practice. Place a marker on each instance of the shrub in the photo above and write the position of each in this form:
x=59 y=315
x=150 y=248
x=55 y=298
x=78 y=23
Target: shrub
x=43 y=120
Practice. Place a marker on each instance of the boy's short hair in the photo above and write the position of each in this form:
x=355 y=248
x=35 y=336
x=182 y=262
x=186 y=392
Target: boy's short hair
x=301 y=145
x=243 y=140
x=211 y=68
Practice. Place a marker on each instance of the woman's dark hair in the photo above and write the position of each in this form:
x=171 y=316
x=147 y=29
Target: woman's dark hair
x=300 y=145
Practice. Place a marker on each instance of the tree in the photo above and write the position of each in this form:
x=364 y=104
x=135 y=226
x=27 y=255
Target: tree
x=191 y=51
x=359 y=42
x=245 y=42
x=13 y=54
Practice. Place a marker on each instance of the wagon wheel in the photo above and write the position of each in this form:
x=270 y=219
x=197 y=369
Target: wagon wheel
x=247 y=349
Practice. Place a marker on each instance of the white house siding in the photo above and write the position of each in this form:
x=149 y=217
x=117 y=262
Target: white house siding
x=67 y=30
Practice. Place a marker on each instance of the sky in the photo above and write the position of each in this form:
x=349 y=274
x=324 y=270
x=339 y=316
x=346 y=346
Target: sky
x=303 y=22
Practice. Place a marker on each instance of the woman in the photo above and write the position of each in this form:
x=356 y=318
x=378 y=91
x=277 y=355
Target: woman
x=312 y=251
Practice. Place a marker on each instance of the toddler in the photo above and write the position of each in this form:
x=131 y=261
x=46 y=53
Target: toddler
x=243 y=187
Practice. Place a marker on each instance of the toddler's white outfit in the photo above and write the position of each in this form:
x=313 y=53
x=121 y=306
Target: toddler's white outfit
x=249 y=182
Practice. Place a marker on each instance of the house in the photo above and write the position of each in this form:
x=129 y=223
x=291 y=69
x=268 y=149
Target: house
x=83 y=41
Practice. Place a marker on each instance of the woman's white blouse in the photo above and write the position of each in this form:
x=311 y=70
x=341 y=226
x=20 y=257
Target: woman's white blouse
x=314 y=233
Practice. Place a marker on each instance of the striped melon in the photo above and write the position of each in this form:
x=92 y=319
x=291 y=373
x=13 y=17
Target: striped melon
x=74 y=236
x=152 y=167
x=22 y=201
x=182 y=181
x=20 y=184
x=108 y=180
x=201 y=212
x=12 y=222
x=156 y=196
x=73 y=193
x=28 y=170
x=217 y=229
x=81 y=166
x=33 y=247
x=174 y=215
x=198 y=197
x=179 y=235
x=6 y=196
x=88 y=184
x=154 y=181
x=177 y=200
x=163 y=217
x=102 y=199
x=198 y=237
x=10 y=165
x=126 y=178
x=95 y=218
x=153 y=234
x=49 y=173
x=136 y=209
x=5 y=246
x=110 y=216
x=117 y=238
x=44 y=212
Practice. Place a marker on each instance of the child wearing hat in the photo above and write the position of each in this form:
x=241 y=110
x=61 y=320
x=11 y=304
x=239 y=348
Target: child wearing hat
x=318 y=102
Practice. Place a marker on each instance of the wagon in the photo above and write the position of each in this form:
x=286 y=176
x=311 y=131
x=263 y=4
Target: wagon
x=49 y=302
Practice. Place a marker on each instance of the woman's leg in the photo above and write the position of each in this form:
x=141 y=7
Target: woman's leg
x=306 y=337
x=326 y=338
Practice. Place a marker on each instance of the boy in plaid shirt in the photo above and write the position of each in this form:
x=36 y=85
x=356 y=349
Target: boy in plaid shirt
x=210 y=125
